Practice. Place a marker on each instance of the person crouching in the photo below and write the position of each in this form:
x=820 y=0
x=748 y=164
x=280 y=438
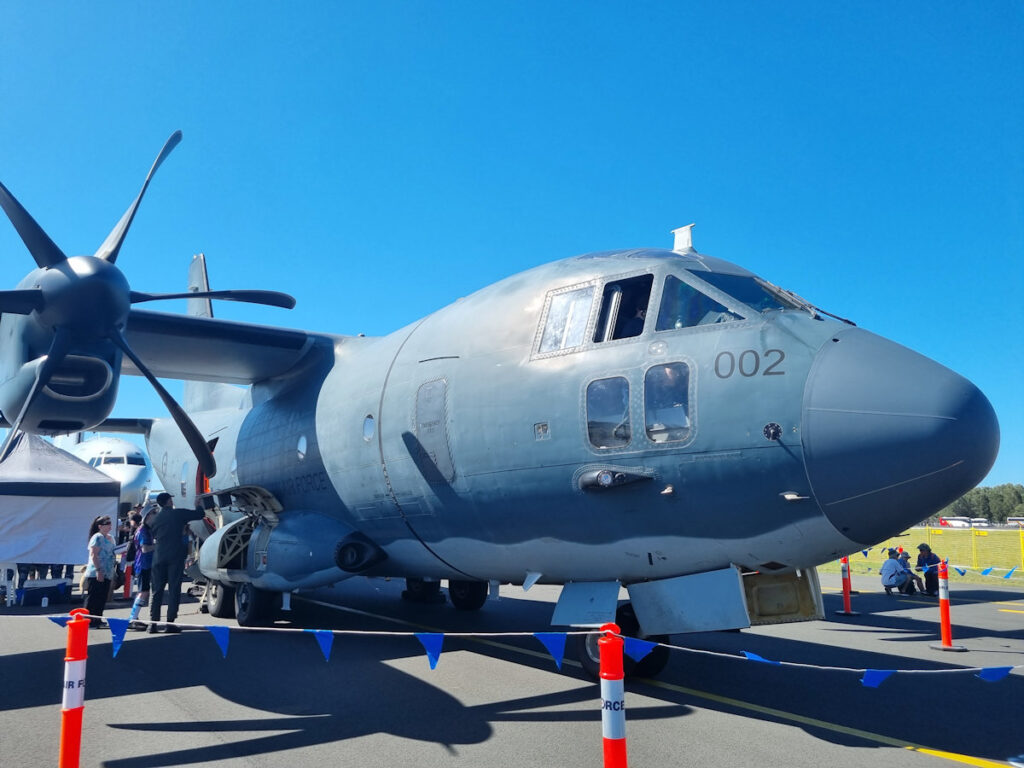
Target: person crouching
x=894 y=576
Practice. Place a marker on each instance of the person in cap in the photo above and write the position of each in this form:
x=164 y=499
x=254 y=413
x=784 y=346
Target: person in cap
x=168 y=529
x=928 y=562
x=893 y=575
x=904 y=559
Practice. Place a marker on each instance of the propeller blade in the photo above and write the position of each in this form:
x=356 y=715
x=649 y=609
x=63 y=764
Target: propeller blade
x=269 y=298
x=189 y=430
x=21 y=302
x=43 y=249
x=54 y=357
x=112 y=245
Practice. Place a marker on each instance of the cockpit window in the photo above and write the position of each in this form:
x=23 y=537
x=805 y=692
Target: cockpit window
x=608 y=413
x=666 y=402
x=113 y=459
x=565 y=325
x=746 y=289
x=624 y=308
x=137 y=461
x=683 y=306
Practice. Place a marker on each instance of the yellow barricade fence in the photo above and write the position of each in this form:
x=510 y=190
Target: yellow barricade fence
x=976 y=548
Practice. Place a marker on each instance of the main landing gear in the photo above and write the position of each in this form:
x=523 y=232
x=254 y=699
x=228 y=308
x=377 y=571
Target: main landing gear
x=254 y=607
x=649 y=666
x=466 y=595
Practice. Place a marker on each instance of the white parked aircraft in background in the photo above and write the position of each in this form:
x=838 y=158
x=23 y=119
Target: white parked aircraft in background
x=118 y=459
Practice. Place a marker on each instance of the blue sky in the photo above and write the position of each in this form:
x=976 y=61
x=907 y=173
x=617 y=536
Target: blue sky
x=378 y=159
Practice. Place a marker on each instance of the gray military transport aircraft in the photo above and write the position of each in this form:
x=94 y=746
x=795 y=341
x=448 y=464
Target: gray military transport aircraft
x=658 y=420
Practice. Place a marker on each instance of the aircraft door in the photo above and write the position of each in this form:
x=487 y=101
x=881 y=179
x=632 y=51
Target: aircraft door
x=431 y=433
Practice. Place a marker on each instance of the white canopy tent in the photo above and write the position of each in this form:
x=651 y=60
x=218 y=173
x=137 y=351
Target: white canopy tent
x=48 y=498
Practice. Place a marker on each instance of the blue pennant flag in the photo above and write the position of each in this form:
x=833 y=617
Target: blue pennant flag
x=864 y=552
x=988 y=570
x=555 y=644
x=875 y=677
x=60 y=621
x=326 y=639
x=961 y=571
x=117 y=629
x=994 y=674
x=926 y=568
x=1008 y=575
x=637 y=649
x=432 y=642
x=754 y=657
x=220 y=634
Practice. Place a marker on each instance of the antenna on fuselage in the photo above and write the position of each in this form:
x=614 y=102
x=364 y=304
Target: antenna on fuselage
x=684 y=238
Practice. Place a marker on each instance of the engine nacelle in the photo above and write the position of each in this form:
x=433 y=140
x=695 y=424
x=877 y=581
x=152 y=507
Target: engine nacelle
x=80 y=394
x=299 y=551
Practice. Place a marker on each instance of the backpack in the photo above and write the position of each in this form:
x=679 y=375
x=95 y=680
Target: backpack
x=129 y=554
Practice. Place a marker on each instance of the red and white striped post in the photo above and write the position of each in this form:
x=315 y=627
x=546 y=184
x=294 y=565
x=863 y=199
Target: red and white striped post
x=74 y=689
x=946 y=627
x=847 y=589
x=613 y=697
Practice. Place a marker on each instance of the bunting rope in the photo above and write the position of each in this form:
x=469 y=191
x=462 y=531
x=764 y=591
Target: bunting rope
x=554 y=642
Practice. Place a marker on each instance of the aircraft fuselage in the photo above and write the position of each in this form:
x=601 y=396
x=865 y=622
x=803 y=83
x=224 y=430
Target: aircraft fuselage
x=529 y=429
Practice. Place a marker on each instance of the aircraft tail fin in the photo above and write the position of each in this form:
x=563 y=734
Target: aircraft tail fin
x=206 y=395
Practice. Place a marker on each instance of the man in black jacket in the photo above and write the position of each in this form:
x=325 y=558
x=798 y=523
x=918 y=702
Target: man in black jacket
x=168 y=559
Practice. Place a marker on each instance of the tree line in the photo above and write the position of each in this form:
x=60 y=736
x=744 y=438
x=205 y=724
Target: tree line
x=994 y=504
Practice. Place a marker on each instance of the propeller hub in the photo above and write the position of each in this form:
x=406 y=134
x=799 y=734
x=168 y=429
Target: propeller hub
x=85 y=295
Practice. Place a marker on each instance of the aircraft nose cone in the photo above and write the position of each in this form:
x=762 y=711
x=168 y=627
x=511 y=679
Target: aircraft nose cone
x=889 y=436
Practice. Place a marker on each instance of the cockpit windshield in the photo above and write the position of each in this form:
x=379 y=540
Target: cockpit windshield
x=747 y=289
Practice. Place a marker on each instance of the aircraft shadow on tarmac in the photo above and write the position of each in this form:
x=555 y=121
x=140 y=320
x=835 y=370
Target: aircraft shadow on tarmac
x=320 y=702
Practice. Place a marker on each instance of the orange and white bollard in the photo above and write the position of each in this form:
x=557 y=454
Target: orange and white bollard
x=613 y=697
x=74 y=689
x=946 y=627
x=847 y=589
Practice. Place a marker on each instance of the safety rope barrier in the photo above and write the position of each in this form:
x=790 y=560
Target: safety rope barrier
x=633 y=647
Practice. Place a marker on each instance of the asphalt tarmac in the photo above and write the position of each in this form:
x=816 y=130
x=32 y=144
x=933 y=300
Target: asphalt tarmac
x=176 y=700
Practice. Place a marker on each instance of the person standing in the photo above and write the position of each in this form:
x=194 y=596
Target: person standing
x=99 y=572
x=928 y=559
x=168 y=530
x=142 y=565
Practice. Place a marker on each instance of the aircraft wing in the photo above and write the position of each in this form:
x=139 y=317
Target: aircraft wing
x=209 y=349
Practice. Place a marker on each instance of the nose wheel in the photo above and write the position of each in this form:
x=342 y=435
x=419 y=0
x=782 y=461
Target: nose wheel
x=649 y=666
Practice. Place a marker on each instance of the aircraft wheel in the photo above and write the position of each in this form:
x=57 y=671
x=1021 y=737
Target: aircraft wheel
x=467 y=595
x=253 y=607
x=588 y=655
x=649 y=666
x=221 y=600
x=422 y=591
x=655 y=661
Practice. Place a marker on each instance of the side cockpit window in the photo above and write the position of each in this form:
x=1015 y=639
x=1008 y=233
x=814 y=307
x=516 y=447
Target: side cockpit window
x=666 y=402
x=608 y=413
x=565 y=324
x=623 y=308
x=683 y=306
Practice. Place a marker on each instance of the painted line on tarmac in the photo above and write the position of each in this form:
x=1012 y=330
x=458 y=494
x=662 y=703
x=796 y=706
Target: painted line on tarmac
x=825 y=725
x=736 y=703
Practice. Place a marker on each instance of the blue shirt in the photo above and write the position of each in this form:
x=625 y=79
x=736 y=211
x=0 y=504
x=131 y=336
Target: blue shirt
x=143 y=560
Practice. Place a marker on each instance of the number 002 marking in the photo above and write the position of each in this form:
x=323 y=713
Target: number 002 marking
x=749 y=363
